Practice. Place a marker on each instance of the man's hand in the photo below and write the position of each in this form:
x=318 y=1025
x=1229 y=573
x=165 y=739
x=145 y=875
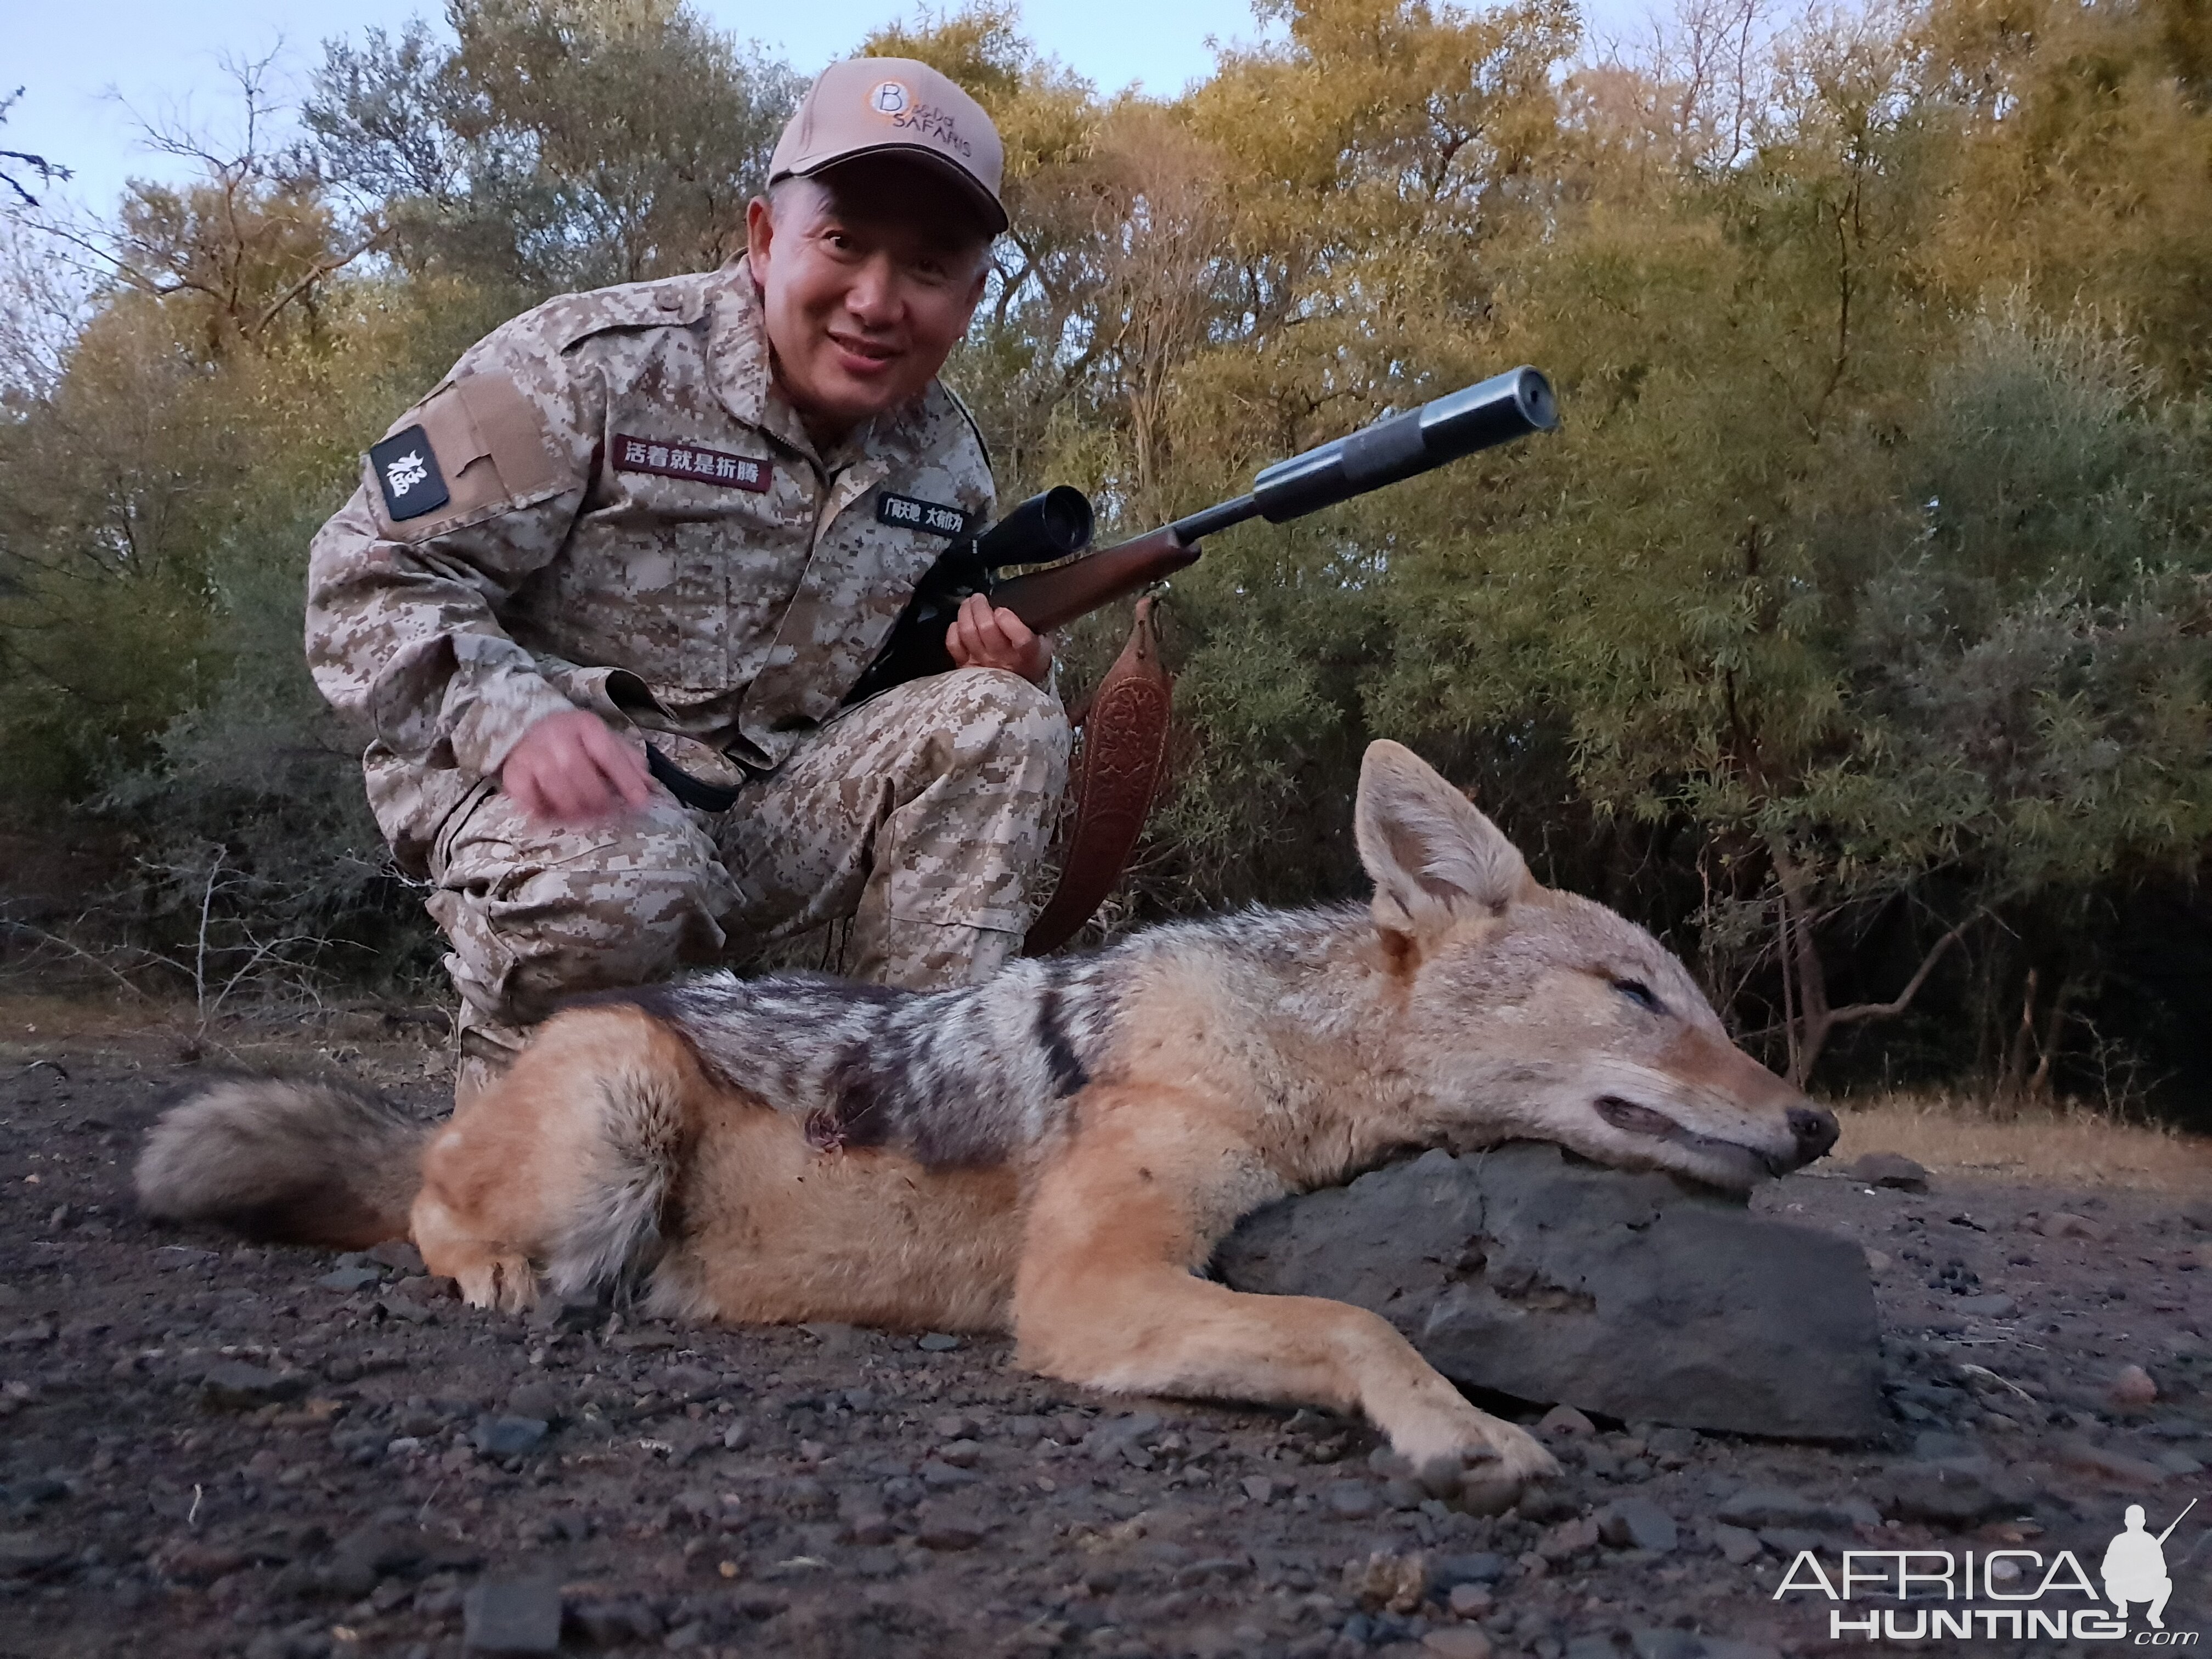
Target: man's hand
x=570 y=769
x=983 y=637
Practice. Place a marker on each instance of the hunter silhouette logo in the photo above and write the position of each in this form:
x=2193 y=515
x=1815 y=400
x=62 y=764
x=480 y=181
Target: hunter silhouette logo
x=2135 y=1566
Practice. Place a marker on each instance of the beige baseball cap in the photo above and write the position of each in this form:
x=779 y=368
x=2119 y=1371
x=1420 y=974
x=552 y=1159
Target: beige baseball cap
x=870 y=106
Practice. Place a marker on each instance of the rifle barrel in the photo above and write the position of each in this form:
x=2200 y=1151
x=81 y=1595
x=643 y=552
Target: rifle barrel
x=1219 y=516
x=1494 y=411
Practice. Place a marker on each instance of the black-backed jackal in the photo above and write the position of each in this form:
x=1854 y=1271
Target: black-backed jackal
x=1055 y=1151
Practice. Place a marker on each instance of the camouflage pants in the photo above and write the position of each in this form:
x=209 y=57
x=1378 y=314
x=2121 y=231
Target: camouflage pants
x=918 y=816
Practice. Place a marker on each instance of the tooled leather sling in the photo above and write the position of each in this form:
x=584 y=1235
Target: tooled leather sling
x=1124 y=758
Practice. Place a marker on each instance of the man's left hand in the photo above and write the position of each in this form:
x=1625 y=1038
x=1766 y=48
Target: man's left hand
x=984 y=636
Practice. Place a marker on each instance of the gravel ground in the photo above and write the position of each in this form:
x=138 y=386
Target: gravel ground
x=212 y=1449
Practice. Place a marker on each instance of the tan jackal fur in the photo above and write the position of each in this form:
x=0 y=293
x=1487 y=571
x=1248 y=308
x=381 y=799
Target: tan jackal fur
x=1058 y=1151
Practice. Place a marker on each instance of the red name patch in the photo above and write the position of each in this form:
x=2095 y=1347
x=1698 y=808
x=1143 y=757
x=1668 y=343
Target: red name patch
x=690 y=461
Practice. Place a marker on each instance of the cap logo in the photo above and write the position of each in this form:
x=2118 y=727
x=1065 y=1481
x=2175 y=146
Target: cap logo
x=889 y=97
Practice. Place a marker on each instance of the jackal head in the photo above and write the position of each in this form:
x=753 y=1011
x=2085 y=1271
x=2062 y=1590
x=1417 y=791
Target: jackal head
x=1531 y=1013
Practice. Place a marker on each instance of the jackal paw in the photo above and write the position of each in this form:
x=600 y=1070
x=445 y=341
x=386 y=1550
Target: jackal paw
x=1482 y=1464
x=507 y=1283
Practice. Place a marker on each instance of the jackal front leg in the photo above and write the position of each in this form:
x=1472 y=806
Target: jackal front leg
x=1107 y=1294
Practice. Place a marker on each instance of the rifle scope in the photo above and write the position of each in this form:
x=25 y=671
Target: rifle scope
x=1493 y=411
x=1049 y=527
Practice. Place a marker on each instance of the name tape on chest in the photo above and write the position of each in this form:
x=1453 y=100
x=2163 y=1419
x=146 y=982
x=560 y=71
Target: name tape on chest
x=910 y=512
x=673 y=460
x=407 y=473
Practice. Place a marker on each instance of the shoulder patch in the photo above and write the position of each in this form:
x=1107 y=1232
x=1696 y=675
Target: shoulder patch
x=407 y=473
x=475 y=447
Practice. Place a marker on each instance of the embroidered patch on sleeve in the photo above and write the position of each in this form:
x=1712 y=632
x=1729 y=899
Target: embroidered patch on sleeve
x=407 y=473
x=670 y=461
x=909 y=513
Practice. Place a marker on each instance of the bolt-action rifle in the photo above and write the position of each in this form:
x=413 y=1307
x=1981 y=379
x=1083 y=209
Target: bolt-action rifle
x=1058 y=524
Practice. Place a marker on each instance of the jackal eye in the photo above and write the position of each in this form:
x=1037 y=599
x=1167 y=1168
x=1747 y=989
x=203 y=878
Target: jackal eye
x=1639 y=994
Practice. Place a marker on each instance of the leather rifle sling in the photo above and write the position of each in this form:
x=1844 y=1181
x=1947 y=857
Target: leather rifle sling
x=1124 y=743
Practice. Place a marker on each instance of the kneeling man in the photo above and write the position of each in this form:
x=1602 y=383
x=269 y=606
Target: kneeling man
x=602 y=594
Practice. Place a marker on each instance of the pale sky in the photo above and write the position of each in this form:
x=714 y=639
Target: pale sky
x=84 y=72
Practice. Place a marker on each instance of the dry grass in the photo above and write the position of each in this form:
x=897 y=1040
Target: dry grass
x=2063 y=1145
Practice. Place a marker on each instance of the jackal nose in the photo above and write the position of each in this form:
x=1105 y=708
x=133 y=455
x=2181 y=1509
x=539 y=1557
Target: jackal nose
x=1814 y=1129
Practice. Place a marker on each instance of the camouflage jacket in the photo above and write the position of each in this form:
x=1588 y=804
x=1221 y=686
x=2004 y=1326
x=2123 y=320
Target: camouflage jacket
x=607 y=505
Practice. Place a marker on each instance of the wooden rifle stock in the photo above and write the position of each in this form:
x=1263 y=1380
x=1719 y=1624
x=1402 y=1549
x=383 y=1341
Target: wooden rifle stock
x=1047 y=599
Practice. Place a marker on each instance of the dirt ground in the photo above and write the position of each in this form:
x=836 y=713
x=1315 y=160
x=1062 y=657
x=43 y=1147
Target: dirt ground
x=210 y=1450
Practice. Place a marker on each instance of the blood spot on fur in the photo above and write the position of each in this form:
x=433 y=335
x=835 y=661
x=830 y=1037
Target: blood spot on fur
x=1143 y=1174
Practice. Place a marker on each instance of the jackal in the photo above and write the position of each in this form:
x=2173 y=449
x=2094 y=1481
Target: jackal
x=1057 y=1151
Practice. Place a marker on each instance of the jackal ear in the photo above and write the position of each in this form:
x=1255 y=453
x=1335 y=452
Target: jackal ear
x=1434 y=858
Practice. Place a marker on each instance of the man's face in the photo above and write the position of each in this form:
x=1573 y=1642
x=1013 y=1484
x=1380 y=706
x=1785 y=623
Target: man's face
x=868 y=276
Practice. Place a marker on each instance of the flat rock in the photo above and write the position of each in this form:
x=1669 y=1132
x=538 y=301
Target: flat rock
x=1956 y=1492
x=1632 y=1295
x=25 y=1554
x=513 y=1615
x=508 y=1436
x=235 y=1387
x=1757 y=1507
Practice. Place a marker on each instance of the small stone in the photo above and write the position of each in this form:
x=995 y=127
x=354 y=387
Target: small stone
x=514 y=1615
x=1447 y=1572
x=1932 y=1445
x=1565 y=1420
x=1456 y=1642
x=1470 y=1601
x=1986 y=1307
x=1352 y=1500
x=1397 y=1584
x=950 y=1532
x=1957 y=1492
x=2132 y=1387
x=399 y=1256
x=1876 y=1261
x=1257 y=1488
x=956 y=1425
x=937 y=1342
x=25 y=1554
x=1567 y=1539
x=347 y=1280
x=2065 y=1225
x=2117 y=1467
x=237 y=1388
x=1890 y=1169
x=1755 y=1507
x=834 y=1338
x=1636 y=1524
x=961 y=1454
x=508 y=1436
x=1737 y=1545
x=546 y=1401
x=556 y=1312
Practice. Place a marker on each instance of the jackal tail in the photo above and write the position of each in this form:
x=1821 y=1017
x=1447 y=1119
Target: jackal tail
x=285 y=1161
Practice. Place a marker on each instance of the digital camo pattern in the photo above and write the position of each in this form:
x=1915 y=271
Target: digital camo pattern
x=734 y=600
x=919 y=814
